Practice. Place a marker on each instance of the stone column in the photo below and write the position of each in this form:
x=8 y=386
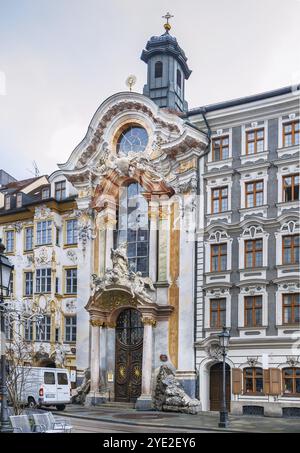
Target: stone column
x=144 y=402
x=95 y=397
x=95 y=357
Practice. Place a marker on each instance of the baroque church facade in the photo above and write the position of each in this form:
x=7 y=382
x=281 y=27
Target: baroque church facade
x=188 y=220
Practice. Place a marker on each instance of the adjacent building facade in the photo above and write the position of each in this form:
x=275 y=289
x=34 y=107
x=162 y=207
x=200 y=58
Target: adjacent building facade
x=182 y=221
x=38 y=225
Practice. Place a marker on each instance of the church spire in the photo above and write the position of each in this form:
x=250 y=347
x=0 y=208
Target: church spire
x=167 y=70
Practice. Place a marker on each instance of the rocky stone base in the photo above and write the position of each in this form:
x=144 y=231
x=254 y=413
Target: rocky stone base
x=170 y=395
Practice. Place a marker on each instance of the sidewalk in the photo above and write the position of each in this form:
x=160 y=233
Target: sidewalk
x=207 y=421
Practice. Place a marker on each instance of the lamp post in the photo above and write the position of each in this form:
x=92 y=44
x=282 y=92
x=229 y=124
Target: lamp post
x=224 y=337
x=5 y=276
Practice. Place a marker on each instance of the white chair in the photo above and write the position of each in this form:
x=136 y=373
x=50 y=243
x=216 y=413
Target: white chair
x=43 y=419
x=21 y=424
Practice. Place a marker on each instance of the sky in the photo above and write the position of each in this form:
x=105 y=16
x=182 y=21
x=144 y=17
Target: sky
x=60 y=59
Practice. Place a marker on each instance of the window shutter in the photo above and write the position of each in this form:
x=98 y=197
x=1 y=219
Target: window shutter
x=236 y=381
x=275 y=381
x=267 y=382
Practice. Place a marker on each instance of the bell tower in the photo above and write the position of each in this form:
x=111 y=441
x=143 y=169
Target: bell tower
x=167 y=70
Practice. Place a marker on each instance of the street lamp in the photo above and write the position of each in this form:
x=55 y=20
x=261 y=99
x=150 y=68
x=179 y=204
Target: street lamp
x=224 y=337
x=5 y=276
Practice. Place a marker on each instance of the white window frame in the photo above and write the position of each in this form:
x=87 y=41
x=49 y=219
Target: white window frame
x=42 y=277
x=10 y=243
x=249 y=291
x=215 y=238
x=220 y=135
x=44 y=235
x=216 y=293
x=74 y=232
x=252 y=232
x=253 y=128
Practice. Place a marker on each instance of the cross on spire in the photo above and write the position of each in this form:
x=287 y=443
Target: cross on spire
x=167 y=26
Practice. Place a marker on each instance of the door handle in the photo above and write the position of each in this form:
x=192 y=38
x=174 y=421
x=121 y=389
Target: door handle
x=59 y=388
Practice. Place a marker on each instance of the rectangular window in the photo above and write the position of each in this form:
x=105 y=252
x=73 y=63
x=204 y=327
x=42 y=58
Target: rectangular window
x=253 y=311
x=254 y=253
x=218 y=257
x=28 y=283
x=44 y=232
x=9 y=328
x=7 y=202
x=9 y=241
x=57 y=238
x=28 y=331
x=290 y=185
x=220 y=148
x=19 y=200
x=291 y=308
x=217 y=312
x=70 y=328
x=71 y=281
x=60 y=190
x=49 y=378
x=219 y=200
x=291 y=381
x=43 y=280
x=72 y=232
x=45 y=193
x=291 y=133
x=43 y=329
x=253 y=381
x=290 y=249
x=254 y=194
x=255 y=141
x=28 y=239
x=10 y=290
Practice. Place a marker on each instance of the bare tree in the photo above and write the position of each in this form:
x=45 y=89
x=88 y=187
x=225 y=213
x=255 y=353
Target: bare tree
x=20 y=353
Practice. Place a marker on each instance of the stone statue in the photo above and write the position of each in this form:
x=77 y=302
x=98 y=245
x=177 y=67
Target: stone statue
x=170 y=395
x=82 y=390
x=121 y=275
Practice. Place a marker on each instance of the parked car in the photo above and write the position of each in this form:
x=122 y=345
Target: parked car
x=39 y=386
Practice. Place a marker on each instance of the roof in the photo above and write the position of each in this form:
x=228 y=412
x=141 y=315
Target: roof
x=244 y=100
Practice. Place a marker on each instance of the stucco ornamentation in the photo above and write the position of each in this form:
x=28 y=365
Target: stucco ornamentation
x=42 y=256
x=42 y=212
x=71 y=254
x=121 y=275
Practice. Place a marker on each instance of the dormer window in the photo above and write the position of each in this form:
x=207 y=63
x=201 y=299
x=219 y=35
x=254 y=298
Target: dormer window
x=60 y=190
x=158 y=72
x=19 y=200
x=178 y=78
x=7 y=202
x=45 y=193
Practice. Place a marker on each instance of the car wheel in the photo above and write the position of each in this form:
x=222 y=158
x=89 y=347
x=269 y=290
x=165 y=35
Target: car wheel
x=31 y=403
x=60 y=407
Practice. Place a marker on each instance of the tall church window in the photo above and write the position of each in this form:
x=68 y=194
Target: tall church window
x=158 y=70
x=178 y=78
x=133 y=227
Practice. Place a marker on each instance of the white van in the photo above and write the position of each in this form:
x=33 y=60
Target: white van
x=44 y=387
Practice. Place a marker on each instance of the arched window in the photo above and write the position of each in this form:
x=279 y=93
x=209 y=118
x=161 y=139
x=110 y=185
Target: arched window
x=133 y=227
x=253 y=380
x=158 y=69
x=291 y=381
x=133 y=139
x=178 y=78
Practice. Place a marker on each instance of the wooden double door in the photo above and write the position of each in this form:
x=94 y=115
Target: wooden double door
x=129 y=355
x=216 y=387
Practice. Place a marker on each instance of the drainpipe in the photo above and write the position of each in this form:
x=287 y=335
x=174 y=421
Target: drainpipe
x=208 y=135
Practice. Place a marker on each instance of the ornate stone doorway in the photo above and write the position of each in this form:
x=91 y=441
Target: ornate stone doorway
x=129 y=355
